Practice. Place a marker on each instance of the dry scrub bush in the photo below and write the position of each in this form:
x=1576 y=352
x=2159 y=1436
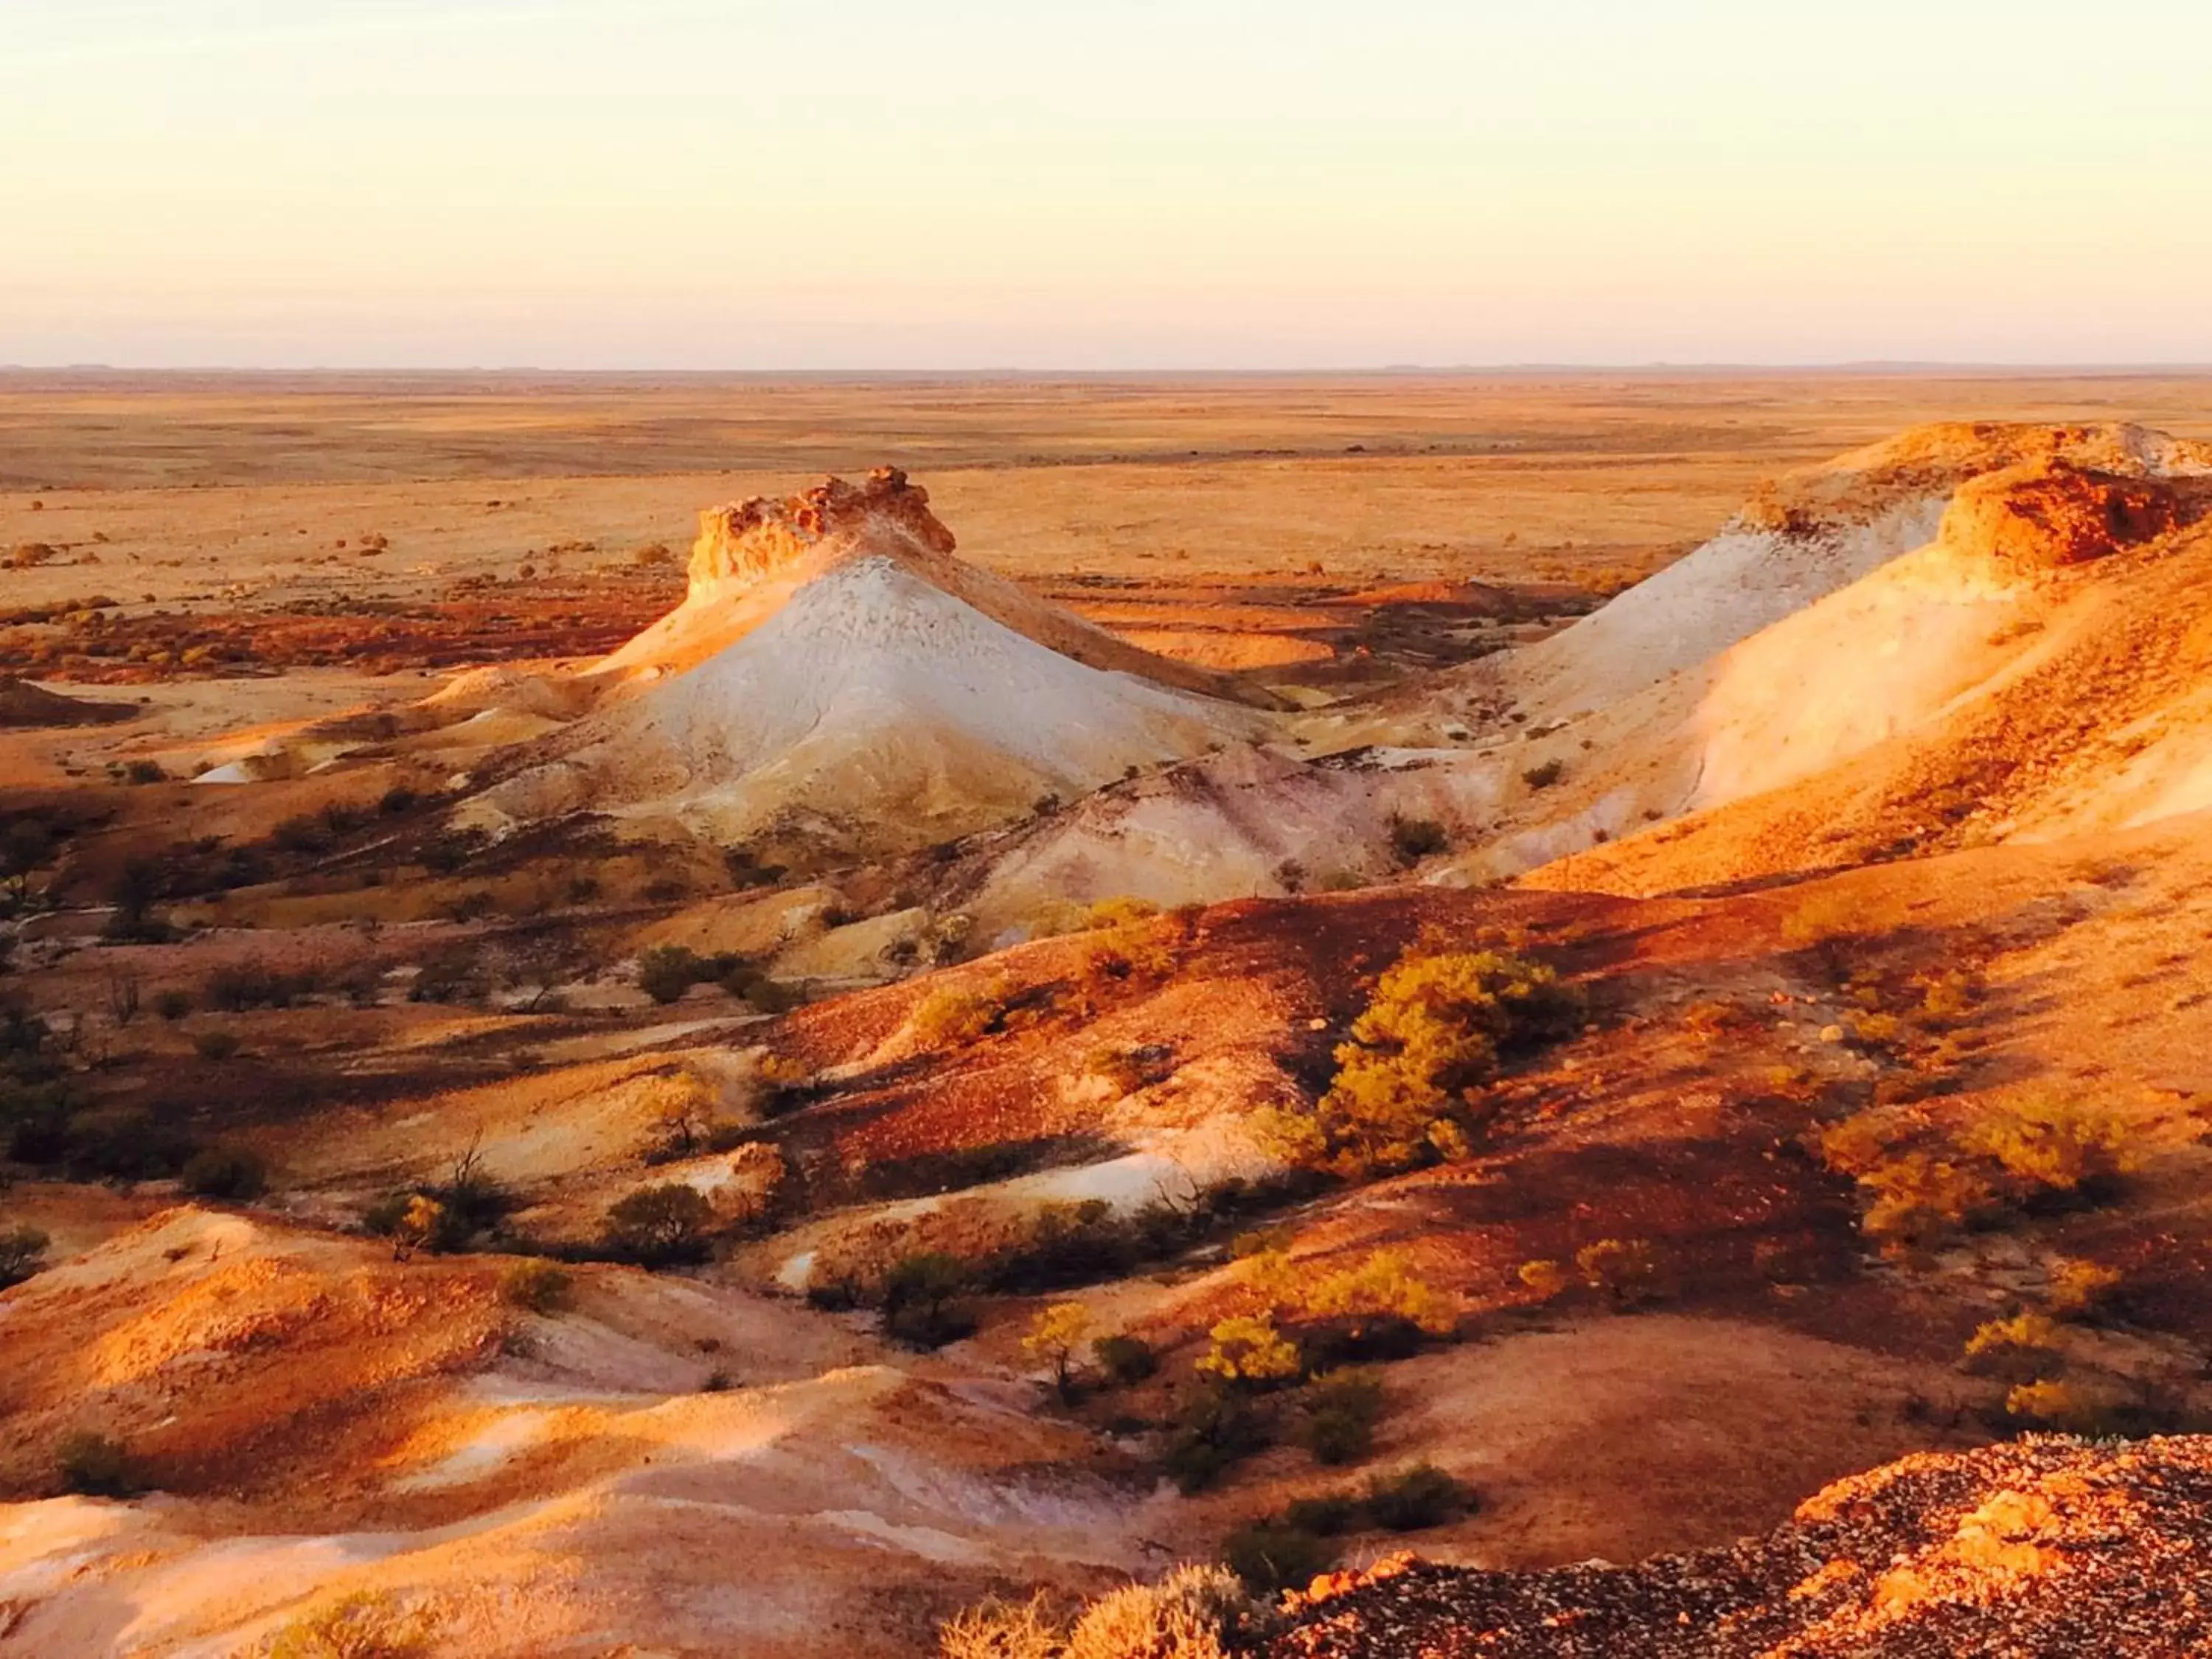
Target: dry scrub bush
x=1004 y=1630
x=1623 y=1270
x=1916 y=1200
x=2068 y=1407
x=1131 y=941
x=1820 y=918
x=1384 y=1285
x=1186 y=1615
x=538 y=1287
x=1415 y=838
x=2078 y=1289
x=1408 y=1084
x=2022 y=1345
x=660 y=1224
x=950 y=1018
x=1250 y=1352
x=1546 y=1279
x=356 y=1627
x=22 y=1249
x=1127 y=1070
x=2017 y=1154
x=1707 y=1021
x=2053 y=1146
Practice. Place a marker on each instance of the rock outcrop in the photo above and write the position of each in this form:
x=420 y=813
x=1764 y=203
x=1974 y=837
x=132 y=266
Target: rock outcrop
x=747 y=542
x=2048 y=1545
x=2044 y=515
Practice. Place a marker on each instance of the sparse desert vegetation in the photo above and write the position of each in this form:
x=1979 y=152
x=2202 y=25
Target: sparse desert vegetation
x=1284 y=1042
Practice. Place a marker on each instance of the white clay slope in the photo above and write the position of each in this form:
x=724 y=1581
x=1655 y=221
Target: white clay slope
x=1744 y=579
x=1806 y=536
x=871 y=700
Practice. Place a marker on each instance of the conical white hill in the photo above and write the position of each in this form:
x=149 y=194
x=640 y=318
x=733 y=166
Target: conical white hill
x=832 y=681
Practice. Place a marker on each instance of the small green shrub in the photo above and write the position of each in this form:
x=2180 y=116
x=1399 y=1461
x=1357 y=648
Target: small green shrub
x=1422 y=1496
x=1216 y=1428
x=666 y=972
x=238 y=987
x=921 y=1303
x=215 y=1045
x=1326 y=1517
x=173 y=1006
x=235 y=1175
x=22 y=1249
x=660 y=1224
x=1415 y=838
x=1545 y=774
x=302 y=834
x=1342 y=1409
x=538 y=1286
x=1124 y=1358
x=96 y=1466
x=1271 y=1557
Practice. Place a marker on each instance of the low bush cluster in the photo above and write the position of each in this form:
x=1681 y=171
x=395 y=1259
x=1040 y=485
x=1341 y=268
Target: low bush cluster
x=1194 y=1613
x=666 y=972
x=239 y=987
x=442 y=1216
x=1409 y=1086
x=1286 y=1553
x=1920 y=1185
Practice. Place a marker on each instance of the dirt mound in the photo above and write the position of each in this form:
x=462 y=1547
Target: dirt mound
x=2044 y=515
x=2047 y=1546
x=22 y=703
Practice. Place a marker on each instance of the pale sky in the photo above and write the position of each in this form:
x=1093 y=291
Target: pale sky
x=1112 y=184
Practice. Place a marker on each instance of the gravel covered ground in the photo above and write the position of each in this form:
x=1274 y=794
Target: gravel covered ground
x=2046 y=1547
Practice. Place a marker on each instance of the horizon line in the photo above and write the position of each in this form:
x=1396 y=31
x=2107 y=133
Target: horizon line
x=1853 y=366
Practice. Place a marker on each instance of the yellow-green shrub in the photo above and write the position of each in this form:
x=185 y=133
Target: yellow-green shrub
x=1408 y=1086
x=1249 y=1351
x=2053 y=1146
